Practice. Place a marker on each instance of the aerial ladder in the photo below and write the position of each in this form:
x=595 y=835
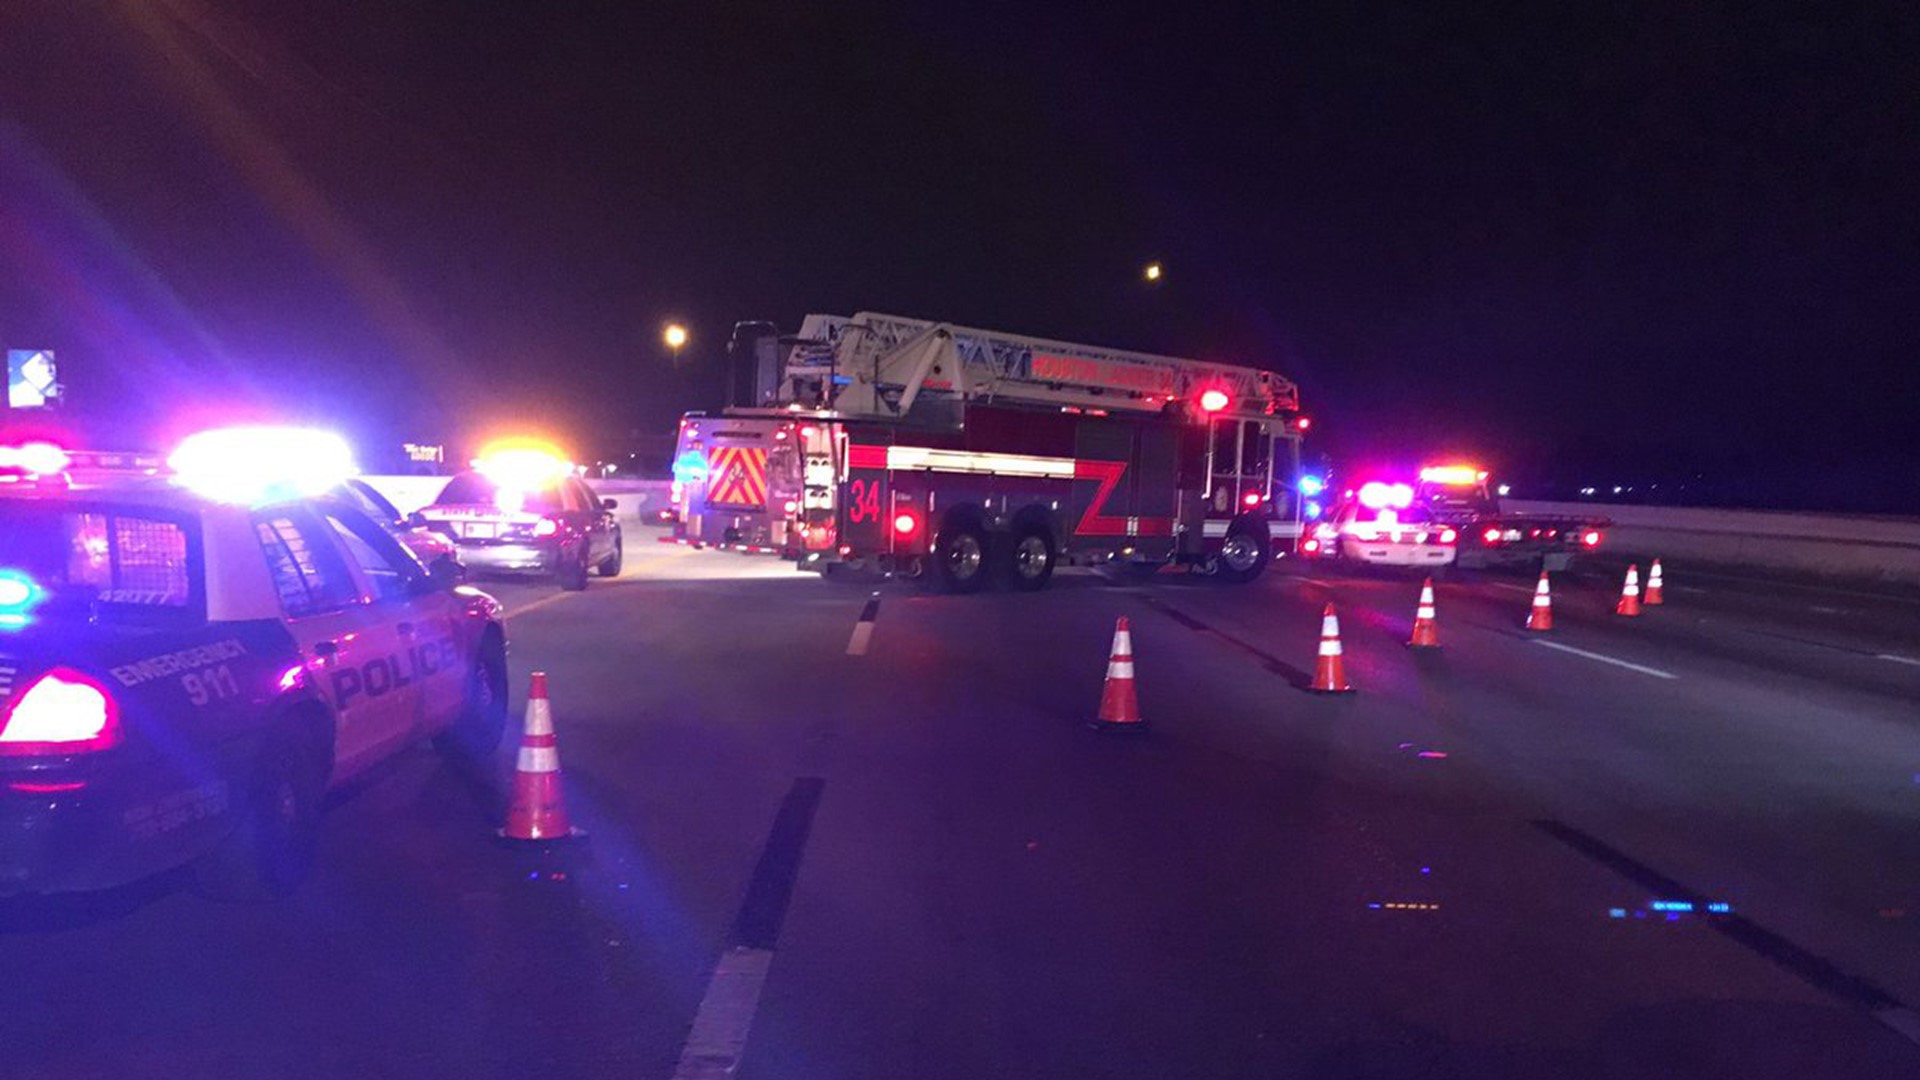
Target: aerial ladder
x=891 y=367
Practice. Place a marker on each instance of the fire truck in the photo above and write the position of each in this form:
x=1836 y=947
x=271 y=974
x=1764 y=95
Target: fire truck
x=925 y=448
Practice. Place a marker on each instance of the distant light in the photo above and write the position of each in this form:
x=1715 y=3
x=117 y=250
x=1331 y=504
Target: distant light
x=1491 y=536
x=1303 y=423
x=1314 y=510
x=1616 y=489
x=1374 y=495
x=1152 y=271
x=1451 y=474
x=1214 y=400
x=254 y=464
x=528 y=464
x=1586 y=491
x=1591 y=538
x=1251 y=499
x=1448 y=536
x=1505 y=490
x=1310 y=546
x=905 y=524
x=674 y=335
x=1311 y=485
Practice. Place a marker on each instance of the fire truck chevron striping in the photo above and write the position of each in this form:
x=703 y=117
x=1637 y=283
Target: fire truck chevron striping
x=931 y=448
x=739 y=476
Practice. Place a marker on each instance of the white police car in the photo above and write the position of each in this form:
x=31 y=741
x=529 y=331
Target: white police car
x=190 y=659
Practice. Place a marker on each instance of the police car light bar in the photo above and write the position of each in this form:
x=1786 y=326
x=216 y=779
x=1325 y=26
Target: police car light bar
x=254 y=464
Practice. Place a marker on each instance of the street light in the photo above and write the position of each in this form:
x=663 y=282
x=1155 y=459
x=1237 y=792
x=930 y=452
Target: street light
x=1152 y=273
x=675 y=336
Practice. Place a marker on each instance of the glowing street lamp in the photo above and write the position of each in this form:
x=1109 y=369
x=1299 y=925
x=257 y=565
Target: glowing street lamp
x=1152 y=273
x=675 y=336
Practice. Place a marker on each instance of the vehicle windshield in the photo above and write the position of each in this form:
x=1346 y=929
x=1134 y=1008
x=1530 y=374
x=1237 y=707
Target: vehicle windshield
x=96 y=561
x=477 y=489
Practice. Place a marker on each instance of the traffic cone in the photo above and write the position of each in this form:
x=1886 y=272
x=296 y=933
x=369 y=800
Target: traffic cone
x=1653 y=597
x=1426 y=631
x=1119 y=708
x=1540 y=617
x=537 y=811
x=1629 y=593
x=1330 y=669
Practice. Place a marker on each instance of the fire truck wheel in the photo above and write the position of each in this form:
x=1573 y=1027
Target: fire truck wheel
x=960 y=558
x=1030 y=558
x=1243 y=556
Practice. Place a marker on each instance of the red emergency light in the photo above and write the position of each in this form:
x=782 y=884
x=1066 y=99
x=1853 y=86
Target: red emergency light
x=1214 y=400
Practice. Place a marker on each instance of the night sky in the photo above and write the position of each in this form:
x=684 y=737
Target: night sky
x=1591 y=246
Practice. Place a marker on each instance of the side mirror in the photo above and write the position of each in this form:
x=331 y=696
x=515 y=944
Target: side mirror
x=417 y=519
x=609 y=504
x=444 y=573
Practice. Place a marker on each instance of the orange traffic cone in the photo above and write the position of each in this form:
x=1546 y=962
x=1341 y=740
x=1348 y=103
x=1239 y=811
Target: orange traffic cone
x=1119 y=708
x=1540 y=617
x=1629 y=593
x=1653 y=597
x=1426 y=631
x=1330 y=669
x=537 y=811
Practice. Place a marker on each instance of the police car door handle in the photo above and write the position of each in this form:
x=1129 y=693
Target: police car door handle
x=326 y=650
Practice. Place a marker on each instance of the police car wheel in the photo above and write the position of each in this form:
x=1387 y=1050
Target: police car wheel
x=477 y=731
x=272 y=845
x=610 y=566
x=573 y=573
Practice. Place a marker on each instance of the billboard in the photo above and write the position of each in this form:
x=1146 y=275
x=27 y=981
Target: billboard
x=31 y=379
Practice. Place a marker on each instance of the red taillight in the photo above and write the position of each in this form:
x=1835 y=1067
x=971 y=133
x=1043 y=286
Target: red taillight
x=1251 y=499
x=1303 y=423
x=1448 y=536
x=1491 y=536
x=545 y=527
x=904 y=524
x=1310 y=546
x=1214 y=400
x=1591 y=538
x=63 y=712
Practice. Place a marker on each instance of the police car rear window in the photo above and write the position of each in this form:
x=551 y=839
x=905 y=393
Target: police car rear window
x=99 y=561
x=473 y=489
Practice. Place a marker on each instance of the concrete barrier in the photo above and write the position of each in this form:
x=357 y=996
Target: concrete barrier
x=635 y=500
x=1876 y=549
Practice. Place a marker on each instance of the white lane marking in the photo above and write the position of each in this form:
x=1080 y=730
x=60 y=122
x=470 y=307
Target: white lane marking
x=862 y=635
x=1901 y=1019
x=1655 y=672
x=1687 y=589
x=1897 y=659
x=720 y=1026
x=1819 y=610
x=1528 y=589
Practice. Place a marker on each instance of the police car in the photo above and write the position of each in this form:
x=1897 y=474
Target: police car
x=191 y=657
x=522 y=510
x=1380 y=523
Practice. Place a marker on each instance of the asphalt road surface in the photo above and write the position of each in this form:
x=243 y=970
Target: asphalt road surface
x=1686 y=845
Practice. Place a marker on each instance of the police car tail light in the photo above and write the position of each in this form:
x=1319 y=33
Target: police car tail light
x=545 y=527
x=62 y=712
x=1491 y=536
x=1448 y=536
x=1591 y=538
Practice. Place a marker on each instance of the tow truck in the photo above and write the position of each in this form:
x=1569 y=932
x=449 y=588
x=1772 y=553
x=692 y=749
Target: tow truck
x=927 y=448
x=1460 y=496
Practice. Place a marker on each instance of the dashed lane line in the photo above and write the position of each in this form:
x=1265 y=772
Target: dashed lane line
x=863 y=627
x=1615 y=661
x=540 y=603
x=1897 y=659
x=718 y=1036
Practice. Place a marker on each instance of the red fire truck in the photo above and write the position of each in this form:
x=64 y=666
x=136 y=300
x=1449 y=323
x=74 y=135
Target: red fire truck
x=922 y=447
